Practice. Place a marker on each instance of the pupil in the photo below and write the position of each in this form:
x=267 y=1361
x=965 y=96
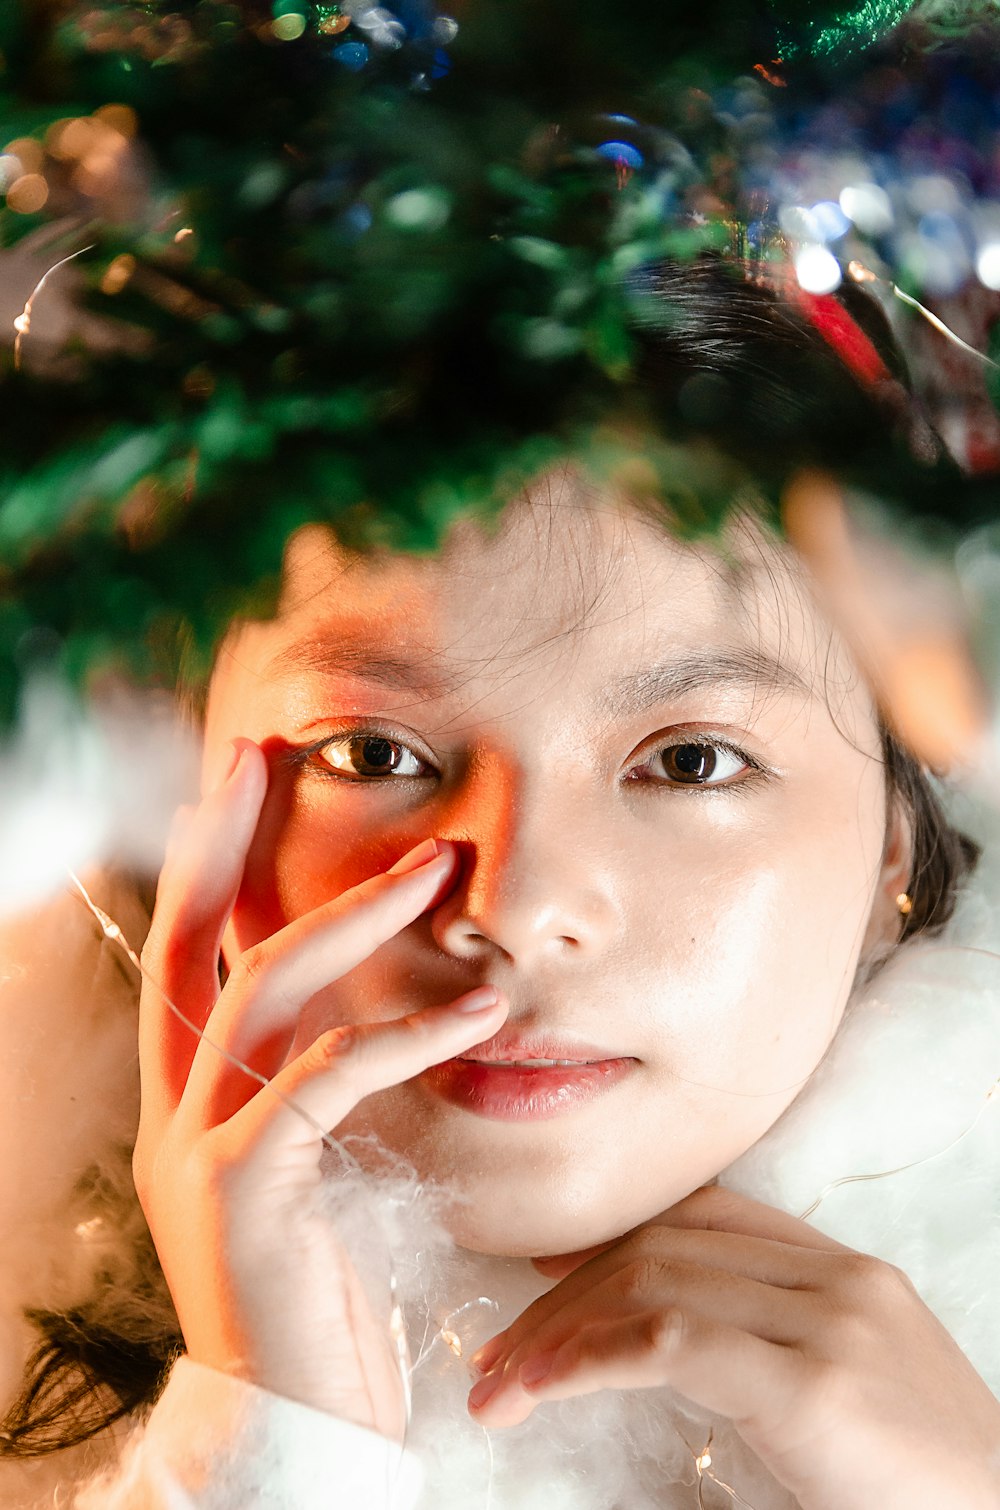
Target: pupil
x=693 y=760
x=380 y=753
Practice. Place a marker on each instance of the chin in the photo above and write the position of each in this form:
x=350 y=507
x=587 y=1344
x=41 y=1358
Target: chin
x=526 y=1228
x=514 y=1193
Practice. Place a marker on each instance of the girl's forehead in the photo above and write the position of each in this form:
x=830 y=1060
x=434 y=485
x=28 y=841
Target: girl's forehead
x=587 y=611
x=550 y=577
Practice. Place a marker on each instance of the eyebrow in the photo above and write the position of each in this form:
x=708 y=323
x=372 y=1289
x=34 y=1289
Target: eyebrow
x=718 y=668
x=697 y=671
x=346 y=653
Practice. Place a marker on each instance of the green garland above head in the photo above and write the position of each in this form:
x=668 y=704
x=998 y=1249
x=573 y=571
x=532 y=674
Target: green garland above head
x=354 y=263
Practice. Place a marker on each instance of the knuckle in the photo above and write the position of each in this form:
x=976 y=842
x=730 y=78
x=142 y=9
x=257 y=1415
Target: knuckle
x=871 y=1280
x=414 y=1028
x=646 y=1243
x=330 y=1049
x=250 y=969
x=639 y=1277
x=666 y=1331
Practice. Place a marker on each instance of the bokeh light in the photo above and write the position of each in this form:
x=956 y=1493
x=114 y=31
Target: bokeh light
x=817 y=269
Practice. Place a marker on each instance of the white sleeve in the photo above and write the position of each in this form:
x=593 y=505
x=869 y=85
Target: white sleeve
x=213 y=1442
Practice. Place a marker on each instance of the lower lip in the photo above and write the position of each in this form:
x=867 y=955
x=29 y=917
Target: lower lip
x=513 y=1094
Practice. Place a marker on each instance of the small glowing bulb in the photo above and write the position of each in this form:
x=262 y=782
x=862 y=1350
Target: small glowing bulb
x=22 y=324
x=453 y=1341
x=860 y=273
x=817 y=270
x=703 y=1462
x=87 y=1229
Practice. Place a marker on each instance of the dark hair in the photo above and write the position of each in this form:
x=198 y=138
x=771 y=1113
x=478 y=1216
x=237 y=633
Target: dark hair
x=721 y=356
x=731 y=352
x=942 y=855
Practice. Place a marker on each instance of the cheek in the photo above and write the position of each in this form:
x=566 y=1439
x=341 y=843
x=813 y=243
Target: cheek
x=755 y=938
x=310 y=847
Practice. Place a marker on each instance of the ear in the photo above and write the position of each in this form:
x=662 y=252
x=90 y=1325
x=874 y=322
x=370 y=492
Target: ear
x=886 y=922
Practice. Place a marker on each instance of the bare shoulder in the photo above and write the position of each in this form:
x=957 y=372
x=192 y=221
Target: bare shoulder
x=44 y=948
x=69 y=1084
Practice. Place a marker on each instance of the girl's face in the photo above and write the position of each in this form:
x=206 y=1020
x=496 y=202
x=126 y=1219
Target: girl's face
x=664 y=783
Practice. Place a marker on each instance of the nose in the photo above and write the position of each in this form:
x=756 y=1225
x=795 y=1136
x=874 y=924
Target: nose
x=536 y=883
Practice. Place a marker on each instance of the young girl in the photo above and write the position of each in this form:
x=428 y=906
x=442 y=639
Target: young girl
x=555 y=865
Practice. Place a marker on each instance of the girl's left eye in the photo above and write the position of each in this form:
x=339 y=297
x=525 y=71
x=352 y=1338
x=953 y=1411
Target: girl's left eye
x=695 y=763
x=367 y=755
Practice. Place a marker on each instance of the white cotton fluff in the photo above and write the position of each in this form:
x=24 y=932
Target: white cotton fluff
x=616 y=1448
x=82 y=783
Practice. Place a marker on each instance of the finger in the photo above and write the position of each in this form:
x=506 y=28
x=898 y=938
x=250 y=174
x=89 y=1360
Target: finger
x=719 y=1367
x=658 y=1256
x=256 y=1015
x=777 y=1315
x=197 y=890
x=346 y=1064
x=714 y=1208
x=206 y=854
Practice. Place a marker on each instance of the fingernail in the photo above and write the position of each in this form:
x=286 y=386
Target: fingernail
x=484 y=1390
x=484 y=1358
x=536 y=1369
x=425 y=852
x=480 y=1000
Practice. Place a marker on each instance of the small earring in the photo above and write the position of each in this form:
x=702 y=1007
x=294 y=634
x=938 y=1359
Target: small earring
x=905 y=903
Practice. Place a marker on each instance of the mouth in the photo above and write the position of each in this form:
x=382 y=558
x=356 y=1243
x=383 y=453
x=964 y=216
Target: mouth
x=525 y=1064
x=537 y=1051
x=512 y=1079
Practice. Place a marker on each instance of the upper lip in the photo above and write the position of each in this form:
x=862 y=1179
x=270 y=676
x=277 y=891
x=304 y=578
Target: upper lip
x=507 y=1047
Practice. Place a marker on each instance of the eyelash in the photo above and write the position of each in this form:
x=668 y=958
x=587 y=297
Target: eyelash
x=755 y=773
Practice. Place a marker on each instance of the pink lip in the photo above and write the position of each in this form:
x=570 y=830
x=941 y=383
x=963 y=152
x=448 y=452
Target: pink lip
x=508 y=1045
x=512 y=1093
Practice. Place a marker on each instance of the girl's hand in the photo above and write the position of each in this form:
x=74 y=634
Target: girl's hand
x=826 y=1360
x=223 y=1169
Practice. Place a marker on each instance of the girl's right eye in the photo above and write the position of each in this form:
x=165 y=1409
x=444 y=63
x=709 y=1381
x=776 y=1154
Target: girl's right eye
x=364 y=757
